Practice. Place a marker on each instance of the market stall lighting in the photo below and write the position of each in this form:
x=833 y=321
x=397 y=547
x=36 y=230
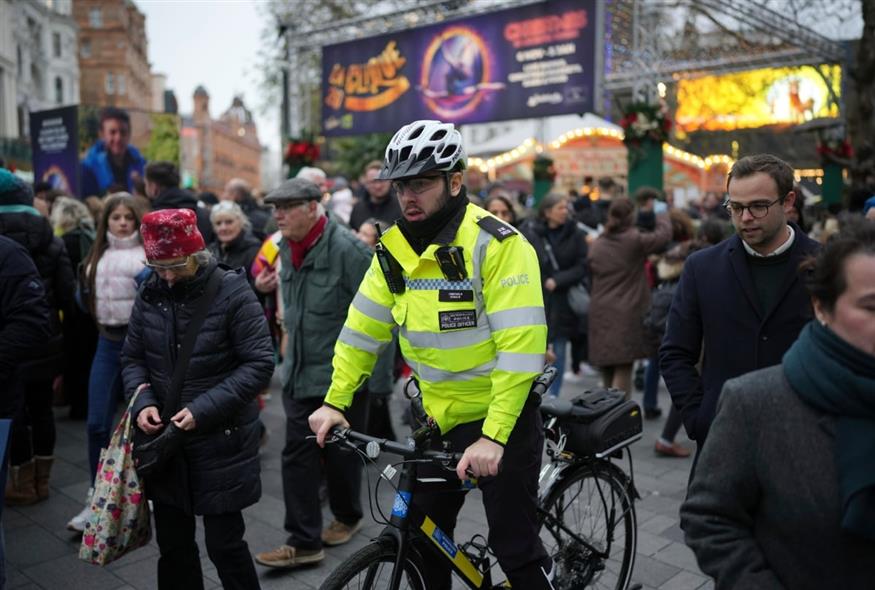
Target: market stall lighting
x=531 y=144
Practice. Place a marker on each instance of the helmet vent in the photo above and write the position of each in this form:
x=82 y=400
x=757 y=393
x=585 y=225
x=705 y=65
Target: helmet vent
x=448 y=151
x=439 y=134
x=425 y=154
x=416 y=132
x=405 y=153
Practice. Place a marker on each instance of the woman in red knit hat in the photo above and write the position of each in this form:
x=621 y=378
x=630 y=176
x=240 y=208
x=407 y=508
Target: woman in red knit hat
x=215 y=473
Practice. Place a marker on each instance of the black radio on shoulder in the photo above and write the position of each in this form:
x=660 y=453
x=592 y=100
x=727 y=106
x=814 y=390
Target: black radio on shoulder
x=390 y=267
x=452 y=262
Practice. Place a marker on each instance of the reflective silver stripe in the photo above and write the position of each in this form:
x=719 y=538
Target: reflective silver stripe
x=477 y=257
x=520 y=362
x=447 y=340
x=360 y=341
x=516 y=317
x=373 y=310
x=431 y=374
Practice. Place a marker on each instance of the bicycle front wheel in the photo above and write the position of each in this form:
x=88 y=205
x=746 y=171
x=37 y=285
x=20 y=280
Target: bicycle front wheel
x=370 y=568
x=594 y=503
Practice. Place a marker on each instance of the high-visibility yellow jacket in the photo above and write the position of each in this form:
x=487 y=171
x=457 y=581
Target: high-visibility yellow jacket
x=475 y=345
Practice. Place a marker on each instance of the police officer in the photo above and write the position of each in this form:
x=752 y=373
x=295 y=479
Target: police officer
x=464 y=288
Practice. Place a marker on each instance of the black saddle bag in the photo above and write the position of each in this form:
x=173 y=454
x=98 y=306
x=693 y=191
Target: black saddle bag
x=601 y=422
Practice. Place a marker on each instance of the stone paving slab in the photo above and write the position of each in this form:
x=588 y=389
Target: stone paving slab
x=42 y=554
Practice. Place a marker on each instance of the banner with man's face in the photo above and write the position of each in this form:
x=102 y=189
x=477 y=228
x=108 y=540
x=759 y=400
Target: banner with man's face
x=532 y=61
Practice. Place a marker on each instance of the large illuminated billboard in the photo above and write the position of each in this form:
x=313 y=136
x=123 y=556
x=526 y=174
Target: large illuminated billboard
x=531 y=61
x=771 y=96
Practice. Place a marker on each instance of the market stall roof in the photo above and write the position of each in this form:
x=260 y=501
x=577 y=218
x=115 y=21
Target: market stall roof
x=487 y=139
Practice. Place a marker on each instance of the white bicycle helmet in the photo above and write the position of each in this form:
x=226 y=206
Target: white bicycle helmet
x=423 y=146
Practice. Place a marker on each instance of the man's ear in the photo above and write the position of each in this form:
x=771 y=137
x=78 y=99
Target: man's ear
x=455 y=183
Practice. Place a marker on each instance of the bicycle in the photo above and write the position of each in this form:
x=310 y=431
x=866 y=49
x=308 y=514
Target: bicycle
x=586 y=552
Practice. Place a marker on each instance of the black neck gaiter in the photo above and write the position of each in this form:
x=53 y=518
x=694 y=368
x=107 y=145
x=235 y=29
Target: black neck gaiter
x=419 y=234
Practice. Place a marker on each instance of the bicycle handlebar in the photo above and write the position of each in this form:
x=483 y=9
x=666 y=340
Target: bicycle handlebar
x=406 y=451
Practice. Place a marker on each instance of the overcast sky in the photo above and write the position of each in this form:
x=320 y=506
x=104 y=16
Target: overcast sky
x=213 y=43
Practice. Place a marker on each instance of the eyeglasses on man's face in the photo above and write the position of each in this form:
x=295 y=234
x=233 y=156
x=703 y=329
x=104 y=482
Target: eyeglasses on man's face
x=286 y=206
x=177 y=266
x=757 y=210
x=416 y=185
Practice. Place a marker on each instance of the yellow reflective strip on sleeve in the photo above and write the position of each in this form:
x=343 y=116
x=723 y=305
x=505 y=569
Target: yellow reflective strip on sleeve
x=446 y=545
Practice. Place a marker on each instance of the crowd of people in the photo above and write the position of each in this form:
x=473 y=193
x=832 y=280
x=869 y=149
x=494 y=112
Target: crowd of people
x=98 y=293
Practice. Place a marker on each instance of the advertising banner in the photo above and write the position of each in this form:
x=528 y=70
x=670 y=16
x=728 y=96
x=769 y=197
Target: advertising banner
x=532 y=61
x=769 y=96
x=54 y=136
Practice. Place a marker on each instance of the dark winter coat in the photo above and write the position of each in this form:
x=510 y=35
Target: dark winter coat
x=239 y=253
x=33 y=231
x=716 y=308
x=569 y=249
x=386 y=212
x=177 y=198
x=218 y=469
x=259 y=217
x=24 y=316
x=620 y=296
x=764 y=507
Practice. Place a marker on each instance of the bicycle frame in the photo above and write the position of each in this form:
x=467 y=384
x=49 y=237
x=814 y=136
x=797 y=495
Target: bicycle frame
x=408 y=521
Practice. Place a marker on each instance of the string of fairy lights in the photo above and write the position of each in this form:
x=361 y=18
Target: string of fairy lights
x=531 y=147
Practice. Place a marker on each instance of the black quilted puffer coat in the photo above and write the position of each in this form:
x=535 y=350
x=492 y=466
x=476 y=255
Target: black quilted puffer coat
x=217 y=470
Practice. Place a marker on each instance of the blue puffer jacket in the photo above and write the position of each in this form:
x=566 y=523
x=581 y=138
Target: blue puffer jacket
x=97 y=173
x=232 y=361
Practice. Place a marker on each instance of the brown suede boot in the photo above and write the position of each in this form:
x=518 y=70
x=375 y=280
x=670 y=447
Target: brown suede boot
x=20 y=488
x=43 y=468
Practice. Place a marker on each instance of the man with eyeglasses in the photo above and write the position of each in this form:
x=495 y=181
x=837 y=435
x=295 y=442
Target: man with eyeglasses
x=322 y=264
x=465 y=290
x=742 y=301
x=375 y=201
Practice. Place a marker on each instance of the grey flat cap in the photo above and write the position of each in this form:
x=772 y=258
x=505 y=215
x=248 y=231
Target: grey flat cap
x=294 y=189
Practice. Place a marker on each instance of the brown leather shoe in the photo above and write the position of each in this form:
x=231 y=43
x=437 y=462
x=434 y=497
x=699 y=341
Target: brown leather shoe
x=672 y=450
x=290 y=557
x=338 y=533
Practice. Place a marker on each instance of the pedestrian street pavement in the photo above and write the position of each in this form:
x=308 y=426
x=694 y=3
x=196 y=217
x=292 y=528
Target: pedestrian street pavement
x=42 y=553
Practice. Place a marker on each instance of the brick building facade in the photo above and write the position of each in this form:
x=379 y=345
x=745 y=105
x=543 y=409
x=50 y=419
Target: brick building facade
x=113 y=54
x=216 y=150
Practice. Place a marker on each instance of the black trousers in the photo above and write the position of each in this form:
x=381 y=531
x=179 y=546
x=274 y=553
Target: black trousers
x=33 y=427
x=510 y=499
x=304 y=465
x=179 y=566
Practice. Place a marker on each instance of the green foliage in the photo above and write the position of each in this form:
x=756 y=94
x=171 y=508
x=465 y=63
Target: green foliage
x=351 y=154
x=88 y=127
x=164 y=139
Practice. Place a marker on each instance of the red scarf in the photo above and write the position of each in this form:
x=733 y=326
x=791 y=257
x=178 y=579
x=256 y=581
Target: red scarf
x=300 y=249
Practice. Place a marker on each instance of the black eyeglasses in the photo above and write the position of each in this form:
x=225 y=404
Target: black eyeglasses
x=416 y=185
x=756 y=210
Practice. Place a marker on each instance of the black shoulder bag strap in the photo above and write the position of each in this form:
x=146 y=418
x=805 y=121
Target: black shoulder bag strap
x=174 y=394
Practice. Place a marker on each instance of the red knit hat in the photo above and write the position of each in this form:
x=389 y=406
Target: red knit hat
x=170 y=233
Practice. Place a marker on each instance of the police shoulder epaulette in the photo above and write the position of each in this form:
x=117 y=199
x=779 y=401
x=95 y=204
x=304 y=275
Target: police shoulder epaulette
x=497 y=228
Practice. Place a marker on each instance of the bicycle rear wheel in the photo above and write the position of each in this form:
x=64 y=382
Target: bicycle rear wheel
x=370 y=568
x=594 y=502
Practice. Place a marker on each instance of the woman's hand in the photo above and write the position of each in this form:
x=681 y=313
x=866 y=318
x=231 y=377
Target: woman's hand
x=550 y=284
x=149 y=420
x=183 y=419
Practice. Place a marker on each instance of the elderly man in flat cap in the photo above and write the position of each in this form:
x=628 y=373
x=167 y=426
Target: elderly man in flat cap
x=322 y=264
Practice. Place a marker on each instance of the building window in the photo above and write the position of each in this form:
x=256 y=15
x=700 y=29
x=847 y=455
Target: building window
x=110 y=83
x=85 y=48
x=95 y=18
x=59 y=90
x=120 y=83
x=56 y=44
